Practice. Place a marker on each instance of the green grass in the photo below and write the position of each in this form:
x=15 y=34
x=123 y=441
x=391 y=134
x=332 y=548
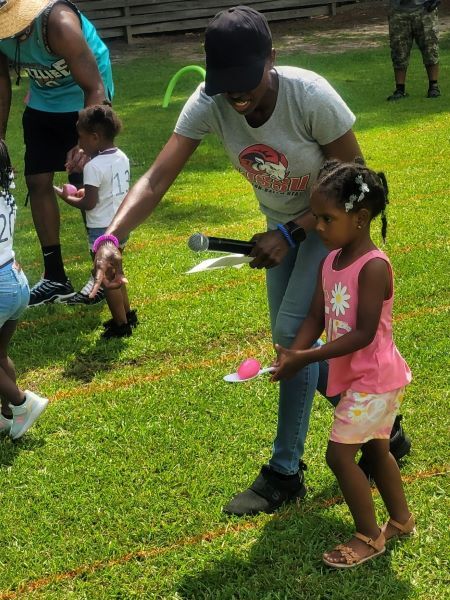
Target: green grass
x=117 y=491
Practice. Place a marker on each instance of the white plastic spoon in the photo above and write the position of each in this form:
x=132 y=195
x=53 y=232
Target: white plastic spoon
x=234 y=377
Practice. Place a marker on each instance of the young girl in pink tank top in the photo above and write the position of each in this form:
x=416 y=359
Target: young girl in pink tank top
x=353 y=304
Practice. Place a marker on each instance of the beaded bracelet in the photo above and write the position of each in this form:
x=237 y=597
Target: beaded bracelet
x=286 y=235
x=104 y=238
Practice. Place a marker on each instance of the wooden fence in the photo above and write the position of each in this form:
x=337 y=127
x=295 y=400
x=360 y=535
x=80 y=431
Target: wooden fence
x=130 y=19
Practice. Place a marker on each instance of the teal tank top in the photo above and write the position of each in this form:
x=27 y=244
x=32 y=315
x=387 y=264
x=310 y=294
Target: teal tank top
x=52 y=87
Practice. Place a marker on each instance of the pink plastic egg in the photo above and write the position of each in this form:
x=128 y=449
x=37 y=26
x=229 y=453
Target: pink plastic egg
x=248 y=368
x=69 y=189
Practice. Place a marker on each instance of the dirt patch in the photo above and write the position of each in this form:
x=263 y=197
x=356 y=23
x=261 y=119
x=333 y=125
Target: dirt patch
x=360 y=26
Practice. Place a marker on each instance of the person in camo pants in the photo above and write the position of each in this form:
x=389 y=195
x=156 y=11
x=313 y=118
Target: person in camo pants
x=409 y=21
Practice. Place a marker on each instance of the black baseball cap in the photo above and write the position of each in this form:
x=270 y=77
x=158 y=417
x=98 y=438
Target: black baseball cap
x=237 y=44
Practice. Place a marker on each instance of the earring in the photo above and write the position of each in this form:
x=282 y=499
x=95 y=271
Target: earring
x=359 y=226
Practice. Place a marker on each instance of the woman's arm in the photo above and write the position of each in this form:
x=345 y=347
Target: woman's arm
x=345 y=148
x=66 y=39
x=271 y=247
x=139 y=203
x=5 y=94
x=147 y=192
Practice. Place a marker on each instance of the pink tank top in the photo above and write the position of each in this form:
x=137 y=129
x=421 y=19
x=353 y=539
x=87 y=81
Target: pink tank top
x=377 y=368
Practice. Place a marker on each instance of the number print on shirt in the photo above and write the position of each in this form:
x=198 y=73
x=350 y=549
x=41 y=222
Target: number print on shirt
x=123 y=186
x=7 y=220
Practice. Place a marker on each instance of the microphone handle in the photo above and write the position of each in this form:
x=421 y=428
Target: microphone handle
x=234 y=246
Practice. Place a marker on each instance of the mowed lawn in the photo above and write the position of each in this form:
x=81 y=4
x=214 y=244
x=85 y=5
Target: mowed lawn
x=117 y=492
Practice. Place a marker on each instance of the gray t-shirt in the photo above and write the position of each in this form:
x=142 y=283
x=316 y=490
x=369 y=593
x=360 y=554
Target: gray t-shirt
x=282 y=157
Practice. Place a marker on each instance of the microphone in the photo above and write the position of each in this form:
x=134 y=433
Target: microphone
x=199 y=243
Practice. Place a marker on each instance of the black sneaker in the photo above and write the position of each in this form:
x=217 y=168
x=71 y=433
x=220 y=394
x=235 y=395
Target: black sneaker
x=433 y=91
x=396 y=95
x=131 y=318
x=117 y=331
x=400 y=443
x=399 y=446
x=267 y=493
x=46 y=291
x=82 y=297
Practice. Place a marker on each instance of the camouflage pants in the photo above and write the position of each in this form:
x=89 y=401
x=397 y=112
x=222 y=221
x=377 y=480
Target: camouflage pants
x=404 y=28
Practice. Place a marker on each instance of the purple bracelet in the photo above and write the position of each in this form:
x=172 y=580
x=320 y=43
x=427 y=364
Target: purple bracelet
x=105 y=238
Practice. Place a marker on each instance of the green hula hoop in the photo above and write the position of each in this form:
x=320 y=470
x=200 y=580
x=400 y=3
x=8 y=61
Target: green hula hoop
x=176 y=77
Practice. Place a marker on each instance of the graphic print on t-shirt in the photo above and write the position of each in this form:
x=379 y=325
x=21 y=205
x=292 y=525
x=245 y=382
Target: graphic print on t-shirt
x=48 y=76
x=267 y=169
x=338 y=303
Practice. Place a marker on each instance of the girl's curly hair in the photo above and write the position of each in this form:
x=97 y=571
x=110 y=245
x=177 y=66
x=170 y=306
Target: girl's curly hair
x=343 y=180
x=100 y=119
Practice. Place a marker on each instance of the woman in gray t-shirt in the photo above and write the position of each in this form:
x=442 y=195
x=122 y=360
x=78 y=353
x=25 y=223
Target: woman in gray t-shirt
x=278 y=125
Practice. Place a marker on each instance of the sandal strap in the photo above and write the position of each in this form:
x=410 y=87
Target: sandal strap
x=377 y=544
x=406 y=527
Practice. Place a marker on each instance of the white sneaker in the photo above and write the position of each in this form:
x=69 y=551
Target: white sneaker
x=82 y=297
x=5 y=424
x=26 y=414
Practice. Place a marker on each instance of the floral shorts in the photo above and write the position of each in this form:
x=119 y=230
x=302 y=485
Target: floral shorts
x=360 y=417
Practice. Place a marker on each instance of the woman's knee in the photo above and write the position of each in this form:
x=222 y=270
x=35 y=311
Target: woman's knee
x=39 y=184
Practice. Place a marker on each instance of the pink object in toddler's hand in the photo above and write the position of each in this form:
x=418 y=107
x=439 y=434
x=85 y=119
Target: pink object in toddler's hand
x=69 y=189
x=248 y=368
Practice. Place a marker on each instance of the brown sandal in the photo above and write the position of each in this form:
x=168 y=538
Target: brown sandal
x=405 y=530
x=350 y=558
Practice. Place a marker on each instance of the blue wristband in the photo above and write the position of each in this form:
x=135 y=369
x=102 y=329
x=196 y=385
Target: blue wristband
x=286 y=235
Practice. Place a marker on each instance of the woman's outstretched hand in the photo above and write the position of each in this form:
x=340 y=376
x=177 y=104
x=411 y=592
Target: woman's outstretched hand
x=108 y=268
x=288 y=362
x=270 y=249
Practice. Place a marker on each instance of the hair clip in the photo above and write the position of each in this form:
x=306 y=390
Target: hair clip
x=363 y=189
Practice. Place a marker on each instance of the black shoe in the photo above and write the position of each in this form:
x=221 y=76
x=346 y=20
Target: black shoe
x=46 y=291
x=131 y=318
x=396 y=95
x=399 y=446
x=433 y=91
x=267 y=493
x=117 y=331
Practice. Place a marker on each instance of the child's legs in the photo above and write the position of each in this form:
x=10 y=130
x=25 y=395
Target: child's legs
x=9 y=391
x=354 y=486
x=115 y=302
x=125 y=299
x=386 y=474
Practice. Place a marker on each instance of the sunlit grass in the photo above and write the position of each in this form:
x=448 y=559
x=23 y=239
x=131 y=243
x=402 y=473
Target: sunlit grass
x=117 y=491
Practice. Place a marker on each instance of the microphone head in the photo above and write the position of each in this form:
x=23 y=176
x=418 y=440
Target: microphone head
x=198 y=242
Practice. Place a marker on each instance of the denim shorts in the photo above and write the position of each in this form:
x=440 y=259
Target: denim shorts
x=95 y=232
x=14 y=293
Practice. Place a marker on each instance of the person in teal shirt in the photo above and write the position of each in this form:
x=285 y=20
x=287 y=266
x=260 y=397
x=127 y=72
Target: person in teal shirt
x=68 y=68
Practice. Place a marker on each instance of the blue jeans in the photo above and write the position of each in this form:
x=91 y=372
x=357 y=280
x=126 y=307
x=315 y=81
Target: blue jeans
x=14 y=293
x=290 y=287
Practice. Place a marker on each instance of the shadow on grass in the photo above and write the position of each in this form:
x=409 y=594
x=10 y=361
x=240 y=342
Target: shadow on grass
x=9 y=449
x=285 y=562
x=48 y=335
x=99 y=358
